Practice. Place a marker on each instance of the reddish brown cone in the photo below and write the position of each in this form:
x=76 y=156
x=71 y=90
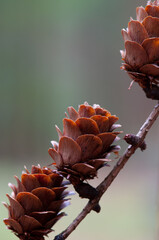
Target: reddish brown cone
x=35 y=203
x=85 y=142
x=141 y=54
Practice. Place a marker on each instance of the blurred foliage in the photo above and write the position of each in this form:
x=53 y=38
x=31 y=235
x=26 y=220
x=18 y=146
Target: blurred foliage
x=60 y=53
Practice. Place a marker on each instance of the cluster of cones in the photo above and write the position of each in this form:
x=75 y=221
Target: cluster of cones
x=86 y=141
x=84 y=145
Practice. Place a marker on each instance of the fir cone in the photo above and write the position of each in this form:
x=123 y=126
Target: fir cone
x=141 y=54
x=35 y=203
x=85 y=142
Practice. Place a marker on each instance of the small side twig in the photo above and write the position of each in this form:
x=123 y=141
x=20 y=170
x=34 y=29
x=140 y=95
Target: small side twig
x=103 y=186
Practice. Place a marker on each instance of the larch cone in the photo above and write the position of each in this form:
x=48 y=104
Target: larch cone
x=141 y=54
x=36 y=203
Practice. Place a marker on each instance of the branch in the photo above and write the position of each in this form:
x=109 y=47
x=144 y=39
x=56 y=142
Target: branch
x=103 y=186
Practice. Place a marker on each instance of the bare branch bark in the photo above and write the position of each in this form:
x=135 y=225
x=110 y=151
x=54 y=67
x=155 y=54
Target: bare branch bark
x=103 y=186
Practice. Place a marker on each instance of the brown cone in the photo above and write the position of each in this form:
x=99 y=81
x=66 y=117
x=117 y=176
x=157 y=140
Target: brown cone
x=85 y=142
x=141 y=54
x=35 y=203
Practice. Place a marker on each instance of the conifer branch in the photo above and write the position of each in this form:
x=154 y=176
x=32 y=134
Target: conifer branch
x=103 y=186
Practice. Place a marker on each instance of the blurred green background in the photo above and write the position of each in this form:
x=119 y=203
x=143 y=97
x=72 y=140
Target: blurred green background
x=57 y=53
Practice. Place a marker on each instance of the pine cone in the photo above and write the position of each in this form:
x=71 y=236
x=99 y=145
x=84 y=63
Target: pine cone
x=141 y=54
x=85 y=142
x=35 y=203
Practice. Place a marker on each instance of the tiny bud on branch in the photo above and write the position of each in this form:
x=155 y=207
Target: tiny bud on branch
x=134 y=141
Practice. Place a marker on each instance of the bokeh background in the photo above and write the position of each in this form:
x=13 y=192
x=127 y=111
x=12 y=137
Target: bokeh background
x=57 y=53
